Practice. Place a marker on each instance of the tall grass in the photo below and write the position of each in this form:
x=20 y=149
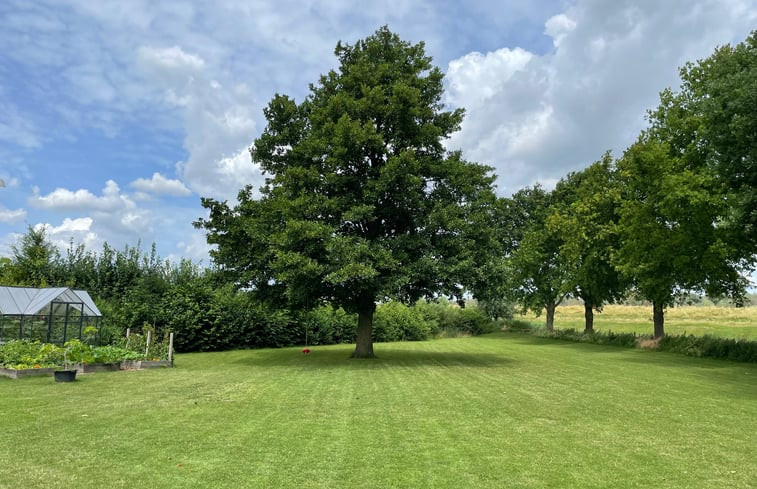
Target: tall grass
x=726 y=322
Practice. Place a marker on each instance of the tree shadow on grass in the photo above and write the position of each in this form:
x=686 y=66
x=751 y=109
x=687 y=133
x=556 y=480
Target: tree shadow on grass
x=527 y=339
x=386 y=357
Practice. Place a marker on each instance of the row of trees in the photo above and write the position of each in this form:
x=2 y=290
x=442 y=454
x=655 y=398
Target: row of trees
x=675 y=214
x=363 y=204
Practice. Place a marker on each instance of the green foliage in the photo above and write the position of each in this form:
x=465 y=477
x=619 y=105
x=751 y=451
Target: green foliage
x=395 y=321
x=712 y=122
x=21 y=354
x=113 y=354
x=33 y=259
x=328 y=325
x=536 y=274
x=30 y=354
x=626 y=340
x=451 y=320
x=706 y=346
x=670 y=239
x=363 y=203
x=499 y=308
x=585 y=217
x=711 y=347
x=137 y=344
x=78 y=352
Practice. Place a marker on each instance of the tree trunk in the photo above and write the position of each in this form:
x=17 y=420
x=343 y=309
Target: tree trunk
x=589 y=318
x=659 y=319
x=364 y=341
x=551 y=316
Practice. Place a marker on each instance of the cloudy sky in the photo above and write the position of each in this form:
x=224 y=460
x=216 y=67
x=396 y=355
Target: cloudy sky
x=117 y=116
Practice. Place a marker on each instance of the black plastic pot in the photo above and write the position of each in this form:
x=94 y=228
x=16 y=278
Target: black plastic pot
x=65 y=375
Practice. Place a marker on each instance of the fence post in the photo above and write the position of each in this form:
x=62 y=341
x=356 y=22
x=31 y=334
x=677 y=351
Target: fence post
x=147 y=344
x=170 y=348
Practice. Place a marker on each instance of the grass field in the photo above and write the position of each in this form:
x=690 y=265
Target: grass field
x=728 y=322
x=498 y=411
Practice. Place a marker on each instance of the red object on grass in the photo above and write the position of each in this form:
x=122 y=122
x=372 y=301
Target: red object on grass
x=306 y=351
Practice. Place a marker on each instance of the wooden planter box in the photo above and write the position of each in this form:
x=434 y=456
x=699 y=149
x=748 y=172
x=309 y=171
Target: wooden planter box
x=88 y=368
x=140 y=364
x=26 y=372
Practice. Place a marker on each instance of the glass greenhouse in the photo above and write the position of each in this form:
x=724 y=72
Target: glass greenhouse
x=51 y=315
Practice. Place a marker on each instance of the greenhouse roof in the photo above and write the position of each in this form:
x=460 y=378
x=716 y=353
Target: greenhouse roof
x=28 y=301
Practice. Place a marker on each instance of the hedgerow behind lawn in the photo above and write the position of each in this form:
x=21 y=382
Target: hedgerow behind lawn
x=495 y=411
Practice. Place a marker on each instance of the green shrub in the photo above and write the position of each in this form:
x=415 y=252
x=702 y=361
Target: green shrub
x=395 y=321
x=518 y=325
x=449 y=319
x=626 y=340
x=711 y=347
x=706 y=346
x=326 y=325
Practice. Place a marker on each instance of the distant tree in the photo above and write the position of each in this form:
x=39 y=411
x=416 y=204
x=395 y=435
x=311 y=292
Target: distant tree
x=536 y=275
x=363 y=202
x=6 y=271
x=586 y=218
x=34 y=258
x=670 y=238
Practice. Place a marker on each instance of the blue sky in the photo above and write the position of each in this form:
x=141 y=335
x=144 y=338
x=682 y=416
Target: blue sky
x=117 y=116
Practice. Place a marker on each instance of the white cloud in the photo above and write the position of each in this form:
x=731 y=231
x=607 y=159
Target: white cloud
x=114 y=213
x=72 y=225
x=11 y=216
x=77 y=230
x=219 y=121
x=537 y=117
x=62 y=199
x=476 y=77
x=559 y=26
x=160 y=185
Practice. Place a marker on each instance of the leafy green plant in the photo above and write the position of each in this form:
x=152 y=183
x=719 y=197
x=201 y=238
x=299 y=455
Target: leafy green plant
x=78 y=352
x=113 y=354
x=21 y=354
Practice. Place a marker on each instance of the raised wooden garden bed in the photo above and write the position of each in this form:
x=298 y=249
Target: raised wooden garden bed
x=141 y=364
x=26 y=372
x=87 y=368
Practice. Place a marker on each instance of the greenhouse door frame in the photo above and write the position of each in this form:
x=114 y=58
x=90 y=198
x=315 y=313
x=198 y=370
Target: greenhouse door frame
x=65 y=322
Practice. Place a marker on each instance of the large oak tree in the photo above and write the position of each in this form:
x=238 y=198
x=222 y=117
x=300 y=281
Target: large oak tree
x=362 y=201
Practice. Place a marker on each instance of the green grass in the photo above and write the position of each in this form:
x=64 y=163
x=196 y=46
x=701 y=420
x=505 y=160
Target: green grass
x=502 y=410
x=726 y=322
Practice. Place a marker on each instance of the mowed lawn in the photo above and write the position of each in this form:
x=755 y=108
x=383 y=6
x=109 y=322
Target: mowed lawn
x=498 y=411
x=727 y=322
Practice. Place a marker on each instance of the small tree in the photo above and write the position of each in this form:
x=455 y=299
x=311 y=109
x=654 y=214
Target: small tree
x=34 y=259
x=586 y=219
x=536 y=274
x=363 y=203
